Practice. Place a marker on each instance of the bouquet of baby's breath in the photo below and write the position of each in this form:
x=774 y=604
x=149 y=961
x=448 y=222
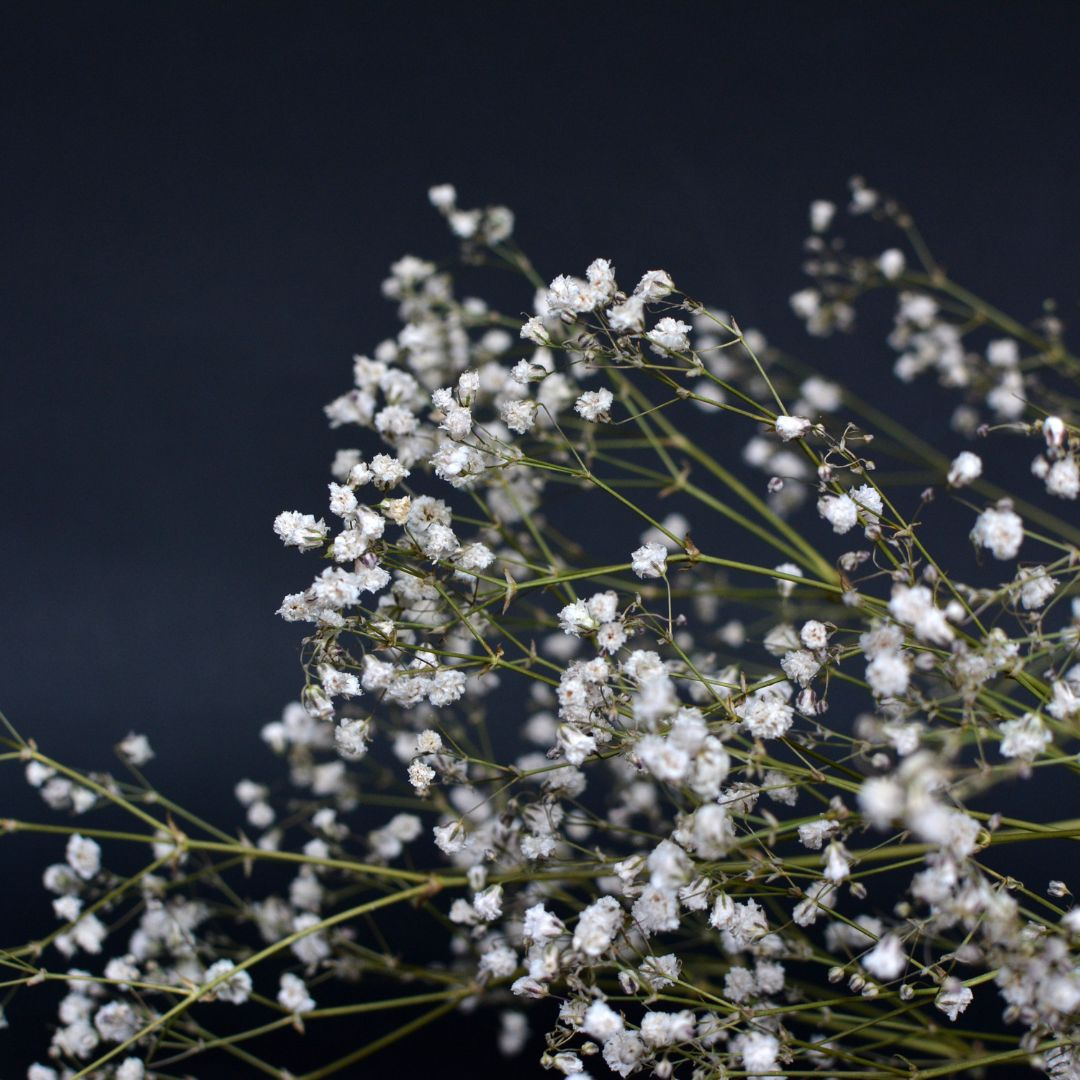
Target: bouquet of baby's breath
x=648 y=699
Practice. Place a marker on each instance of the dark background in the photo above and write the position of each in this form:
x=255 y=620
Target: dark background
x=200 y=201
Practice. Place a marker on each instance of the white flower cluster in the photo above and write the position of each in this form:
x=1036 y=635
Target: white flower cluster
x=690 y=790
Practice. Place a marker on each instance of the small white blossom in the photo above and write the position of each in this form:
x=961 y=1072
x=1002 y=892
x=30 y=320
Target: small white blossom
x=293 y=994
x=1000 y=530
x=1036 y=587
x=966 y=468
x=421 y=776
x=1025 y=737
x=887 y=959
x=822 y=212
x=428 y=742
x=669 y=335
x=649 y=561
x=953 y=998
x=594 y=405
x=135 y=750
x=83 y=856
x=597 y=926
x=792 y=427
x=839 y=511
x=235 y=986
x=300 y=530
x=654 y=285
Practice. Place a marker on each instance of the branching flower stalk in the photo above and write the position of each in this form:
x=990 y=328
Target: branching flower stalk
x=600 y=689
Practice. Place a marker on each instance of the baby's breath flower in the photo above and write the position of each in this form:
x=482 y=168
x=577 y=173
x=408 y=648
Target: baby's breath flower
x=135 y=750
x=953 y=998
x=669 y=335
x=234 y=986
x=594 y=406
x=792 y=427
x=83 y=856
x=649 y=561
x=1000 y=530
x=966 y=468
x=293 y=995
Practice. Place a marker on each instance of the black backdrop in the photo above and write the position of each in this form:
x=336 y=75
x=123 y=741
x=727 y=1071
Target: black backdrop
x=200 y=201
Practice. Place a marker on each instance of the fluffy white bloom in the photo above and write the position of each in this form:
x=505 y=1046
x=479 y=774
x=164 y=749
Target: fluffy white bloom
x=837 y=864
x=1025 y=737
x=235 y=986
x=669 y=335
x=83 y=856
x=513 y=1032
x=623 y=1051
x=519 y=415
x=293 y=994
x=428 y=742
x=450 y=838
x=887 y=959
x=1036 y=586
x=765 y=714
x=300 y=530
x=575 y=745
x=792 y=427
x=116 y=1021
x=814 y=634
x=806 y=303
x=1063 y=478
x=822 y=212
x=649 y=561
x=888 y=674
x=801 y=666
x=569 y=296
x=818 y=896
x=457 y=464
x=667 y=1029
x=602 y=1021
x=540 y=925
x=343 y=501
x=312 y=947
x=534 y=330
x=758 y=1051
x=576 y=619
x=627 y=317
x=953 y=998
x=881 y=801
x=601 y=276
x=999 y=529
x=421 y=776
x=135 y=750
x=442 y=196
x=891 y=263
x=597 y=926
x=1064 y=701
x=338 y=683
x=654 y=285
x=351 y=737
x=1003 y=352
x=914 y=606
x=966 y=467
x=739 y=984
x=593 y=405
x=839 y=511
x=387 y=472
x=813 y=834
x=488 y=904
x=656 y=909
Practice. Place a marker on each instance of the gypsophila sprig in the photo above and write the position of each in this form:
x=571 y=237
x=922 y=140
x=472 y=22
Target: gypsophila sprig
x=701 y=738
